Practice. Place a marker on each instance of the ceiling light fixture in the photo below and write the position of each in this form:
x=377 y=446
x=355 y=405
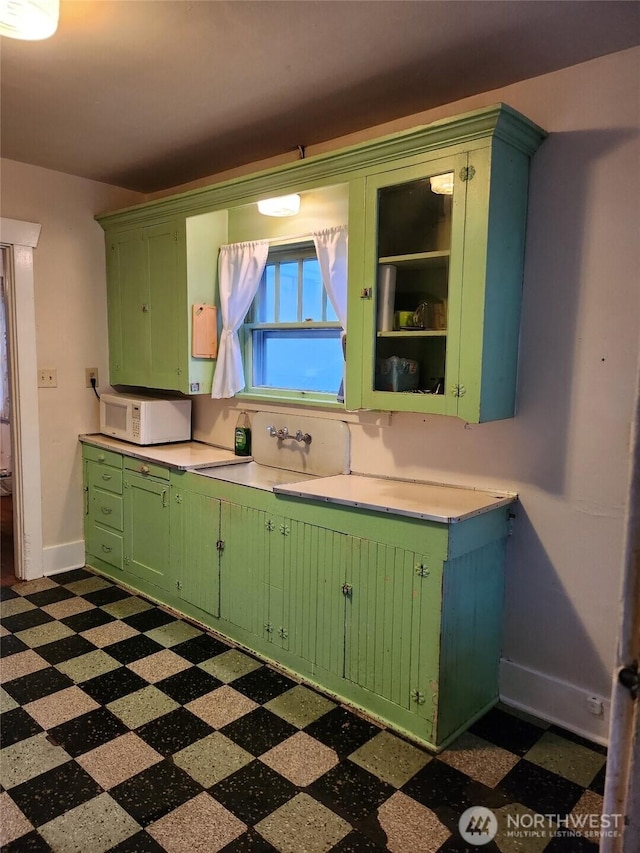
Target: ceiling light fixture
x=285 y=205
x=29 y=19
x=442 y=184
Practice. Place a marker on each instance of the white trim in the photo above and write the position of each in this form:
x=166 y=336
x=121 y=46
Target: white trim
x=553 y=700
x=17 y=233
x=622 y=787
x=25 y=425
x=61 y=558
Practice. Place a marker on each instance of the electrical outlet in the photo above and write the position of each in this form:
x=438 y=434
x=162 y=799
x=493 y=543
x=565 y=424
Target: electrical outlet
x=89 y=374
x=595 y=706
x=47 y=377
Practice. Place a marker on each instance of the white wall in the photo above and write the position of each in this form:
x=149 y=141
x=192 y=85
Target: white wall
x=71 y=332
x=567 y=451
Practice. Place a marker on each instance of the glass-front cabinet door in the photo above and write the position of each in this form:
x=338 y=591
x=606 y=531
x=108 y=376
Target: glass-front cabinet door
x=413 y=283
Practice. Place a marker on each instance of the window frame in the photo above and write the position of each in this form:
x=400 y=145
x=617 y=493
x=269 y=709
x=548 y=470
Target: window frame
x=299 y=251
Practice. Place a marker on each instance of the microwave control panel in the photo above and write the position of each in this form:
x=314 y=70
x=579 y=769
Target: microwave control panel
x=135 y=423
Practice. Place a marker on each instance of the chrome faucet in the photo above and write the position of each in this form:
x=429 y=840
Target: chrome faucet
x=283 y=433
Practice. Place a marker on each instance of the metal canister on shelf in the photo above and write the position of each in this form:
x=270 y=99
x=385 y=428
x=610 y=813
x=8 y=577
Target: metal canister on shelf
x=386 y=296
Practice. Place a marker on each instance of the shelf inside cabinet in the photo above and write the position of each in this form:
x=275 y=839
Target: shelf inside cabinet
x=413 y=333
x=418 y=260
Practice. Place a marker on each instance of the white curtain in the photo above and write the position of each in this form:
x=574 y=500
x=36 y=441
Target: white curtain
x=240 y=267
x=331 y=248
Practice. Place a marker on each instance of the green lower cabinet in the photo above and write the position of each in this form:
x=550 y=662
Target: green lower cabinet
x=244 y=565
x=411 y=635
x=103 y=518
x=146 y=529
x=195 y=549
x=392 y=640
x=314 y=571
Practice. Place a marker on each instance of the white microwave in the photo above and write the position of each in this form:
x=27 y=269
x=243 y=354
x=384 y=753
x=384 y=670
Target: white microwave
x=145 y=420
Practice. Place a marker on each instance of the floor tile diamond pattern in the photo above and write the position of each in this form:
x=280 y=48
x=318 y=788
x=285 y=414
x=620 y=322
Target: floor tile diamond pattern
x=126 y=729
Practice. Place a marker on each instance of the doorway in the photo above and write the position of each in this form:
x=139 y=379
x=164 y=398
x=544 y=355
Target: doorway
x=7 y=574
x=17 y=242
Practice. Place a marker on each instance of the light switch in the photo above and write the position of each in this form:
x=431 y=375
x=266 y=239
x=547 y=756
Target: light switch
x=47 y=377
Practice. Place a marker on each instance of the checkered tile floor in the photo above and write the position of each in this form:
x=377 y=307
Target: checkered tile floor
x=127 y=729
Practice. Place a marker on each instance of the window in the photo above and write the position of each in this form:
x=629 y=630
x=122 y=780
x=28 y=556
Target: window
x=292 y=333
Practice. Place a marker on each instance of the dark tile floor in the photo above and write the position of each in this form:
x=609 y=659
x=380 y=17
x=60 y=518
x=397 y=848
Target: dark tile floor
x=125 y=728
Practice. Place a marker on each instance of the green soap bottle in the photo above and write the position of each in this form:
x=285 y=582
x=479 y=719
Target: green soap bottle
x=242 y=436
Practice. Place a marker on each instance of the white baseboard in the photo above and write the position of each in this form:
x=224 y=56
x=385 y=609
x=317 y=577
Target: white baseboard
x=61 y=558
x=553 y=700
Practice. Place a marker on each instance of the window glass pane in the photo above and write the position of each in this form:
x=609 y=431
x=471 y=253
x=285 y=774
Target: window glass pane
x=298 y=359
x=332 y=317
x=266 y=301
x=288 y=305
x=312 y=289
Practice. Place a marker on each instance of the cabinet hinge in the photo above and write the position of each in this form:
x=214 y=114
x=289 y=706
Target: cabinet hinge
x=347 y=589
x=178 y=584
x=283 y=632
x=458 y=390
x=467 y=173
x=421 y=570
x=178 y=499
x=220 y=544
x=268 y=627
x=365 y=293
x=284 y=529
x=269 y=525
x=175 y=236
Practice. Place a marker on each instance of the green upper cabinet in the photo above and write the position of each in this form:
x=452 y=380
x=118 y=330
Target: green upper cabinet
x=435 y=316
x=436 y=219
x=155 y=274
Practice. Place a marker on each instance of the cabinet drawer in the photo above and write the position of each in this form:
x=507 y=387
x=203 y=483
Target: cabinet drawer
x=105 y=545
x=147 y=469
x=106 y=508
x=106 y=457
x=103 y=477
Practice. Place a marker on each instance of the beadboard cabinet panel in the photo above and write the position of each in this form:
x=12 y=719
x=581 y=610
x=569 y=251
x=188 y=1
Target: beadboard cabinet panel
x=400 y=617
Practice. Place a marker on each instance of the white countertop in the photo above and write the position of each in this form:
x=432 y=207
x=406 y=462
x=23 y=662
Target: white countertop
x=182 y=455
x=429 y=501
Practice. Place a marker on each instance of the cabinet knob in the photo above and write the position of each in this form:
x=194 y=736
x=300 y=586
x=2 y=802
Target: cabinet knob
x=144 y=308
x=101 y=457
x=144 y=469
x=418 y=697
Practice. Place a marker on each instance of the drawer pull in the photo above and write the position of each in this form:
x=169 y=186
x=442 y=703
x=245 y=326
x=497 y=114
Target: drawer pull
x=106 y=477
x=144 y=469
x=101 y=457
x=106 y=510
x=107 y=548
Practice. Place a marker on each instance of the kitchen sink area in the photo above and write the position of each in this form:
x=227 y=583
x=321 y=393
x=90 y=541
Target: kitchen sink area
x=254 y=474
x=285 y=450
